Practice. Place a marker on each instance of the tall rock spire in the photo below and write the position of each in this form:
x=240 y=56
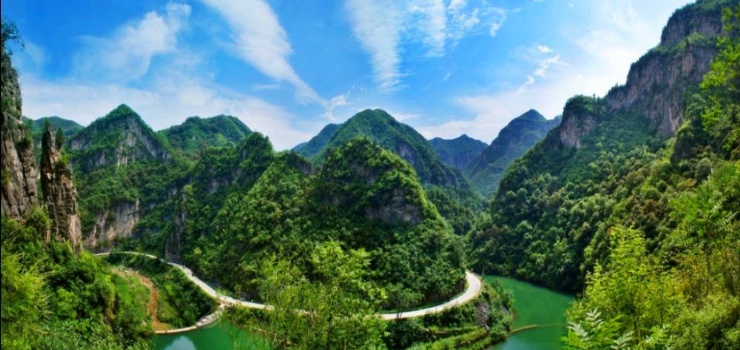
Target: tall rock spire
x=60 y=194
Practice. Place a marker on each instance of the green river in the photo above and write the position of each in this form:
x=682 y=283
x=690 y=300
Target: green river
x=533 y=305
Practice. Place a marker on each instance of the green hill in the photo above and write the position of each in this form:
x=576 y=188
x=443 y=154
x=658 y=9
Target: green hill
x=486 y=170
x=446 y=187
x=198 y=133
x=609 y=162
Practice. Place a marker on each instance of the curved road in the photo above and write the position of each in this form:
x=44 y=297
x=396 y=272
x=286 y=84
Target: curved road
x=473 y=290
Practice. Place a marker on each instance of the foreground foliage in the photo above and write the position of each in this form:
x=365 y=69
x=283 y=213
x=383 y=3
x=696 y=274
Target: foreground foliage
x=53 y=299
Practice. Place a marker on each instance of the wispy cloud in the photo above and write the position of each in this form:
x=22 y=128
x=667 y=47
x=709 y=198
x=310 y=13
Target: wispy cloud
x=127 y=54
x=383 y=27
x=377 y=25
x=260 y=40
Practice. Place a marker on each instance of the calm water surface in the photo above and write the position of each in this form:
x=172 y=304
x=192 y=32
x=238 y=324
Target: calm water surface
x=535 y=305
x=221 y=335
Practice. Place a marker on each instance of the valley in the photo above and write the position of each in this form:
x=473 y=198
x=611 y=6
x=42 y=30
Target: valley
x=613 y=224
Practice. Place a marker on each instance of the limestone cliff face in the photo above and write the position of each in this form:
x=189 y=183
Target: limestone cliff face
x=19 y=191
x=579 y=119
x=657 y=83
x=115 y=222
x=60 y=194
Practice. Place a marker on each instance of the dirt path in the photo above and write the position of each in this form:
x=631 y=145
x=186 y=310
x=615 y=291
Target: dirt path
x=153 y=302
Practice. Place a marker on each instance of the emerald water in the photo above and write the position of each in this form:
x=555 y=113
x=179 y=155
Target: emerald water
x=535 y=306
x=219 y=336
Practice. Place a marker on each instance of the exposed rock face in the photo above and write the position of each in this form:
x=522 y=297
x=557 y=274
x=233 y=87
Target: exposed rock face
x=116 y=222
x=686 y=21
x=60 y=194
x=657 y=83
x=576 y=124
x=19 y=191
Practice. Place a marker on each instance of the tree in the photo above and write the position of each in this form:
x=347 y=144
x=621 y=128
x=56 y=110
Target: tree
x=10 y=34
x=332 y=307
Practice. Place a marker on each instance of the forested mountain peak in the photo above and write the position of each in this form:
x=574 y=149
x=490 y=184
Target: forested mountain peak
x=522 y=132
x=380 y=127
x=531 y=115
x=121 y=137
x=458 y=152
x=197 y=133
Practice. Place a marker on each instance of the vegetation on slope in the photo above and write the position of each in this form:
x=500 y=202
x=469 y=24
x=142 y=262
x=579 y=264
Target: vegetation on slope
x=449 y=190
x=363 y=197
x=550 y=219
x=318 y=143
x=181 y=303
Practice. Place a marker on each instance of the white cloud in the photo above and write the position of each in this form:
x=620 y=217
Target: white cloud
x=260 y=40
x=128 y=53
x=544 y=66
x=382 y=27
x=427 y=19
x=544 y=49
x=377 y=25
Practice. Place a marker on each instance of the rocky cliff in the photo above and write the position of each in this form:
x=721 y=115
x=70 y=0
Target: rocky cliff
x=658 y=82
x=60 y=194
x=19 y=191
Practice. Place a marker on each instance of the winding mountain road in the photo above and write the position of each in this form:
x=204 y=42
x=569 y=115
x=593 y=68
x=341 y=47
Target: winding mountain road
x=473 y=289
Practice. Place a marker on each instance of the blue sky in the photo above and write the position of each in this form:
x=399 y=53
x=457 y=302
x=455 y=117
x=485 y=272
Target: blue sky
x=287 y=68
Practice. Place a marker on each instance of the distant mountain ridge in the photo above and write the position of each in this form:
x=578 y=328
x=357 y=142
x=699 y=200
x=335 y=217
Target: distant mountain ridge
x=485 y=171
x=459 y=152
x=316 y=144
